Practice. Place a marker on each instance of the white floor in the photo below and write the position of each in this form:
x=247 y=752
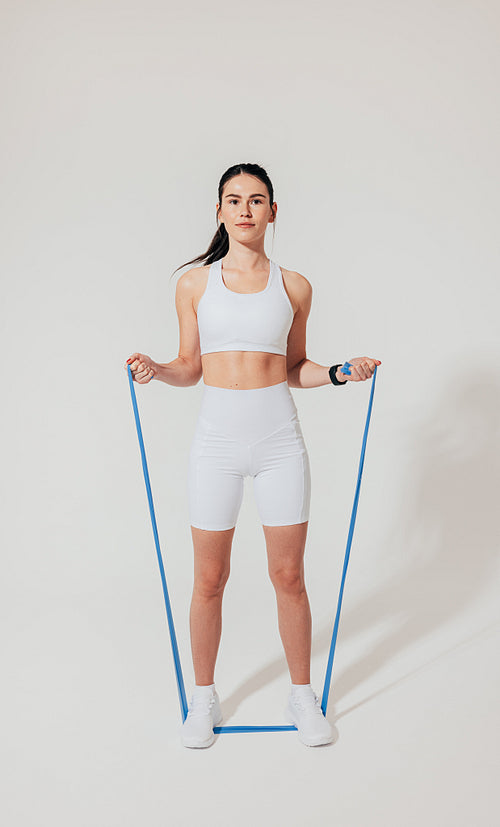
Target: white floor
x=95 y=741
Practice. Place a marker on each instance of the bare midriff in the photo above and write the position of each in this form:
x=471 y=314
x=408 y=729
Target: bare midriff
x=243 y=369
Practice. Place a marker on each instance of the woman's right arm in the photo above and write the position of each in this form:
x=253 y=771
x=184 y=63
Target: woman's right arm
x=186 y=369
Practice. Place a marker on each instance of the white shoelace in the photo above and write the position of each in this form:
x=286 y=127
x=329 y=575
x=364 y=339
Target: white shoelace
x=201 y=705
x=310 y=703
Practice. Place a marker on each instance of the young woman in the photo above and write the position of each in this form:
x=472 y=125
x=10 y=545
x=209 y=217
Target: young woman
x=242 y=323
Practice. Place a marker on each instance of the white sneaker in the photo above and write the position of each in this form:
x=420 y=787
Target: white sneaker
x=304 y=710
x=204 y=713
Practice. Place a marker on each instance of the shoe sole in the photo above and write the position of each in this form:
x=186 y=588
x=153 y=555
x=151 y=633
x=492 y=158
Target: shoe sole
x=197 y=745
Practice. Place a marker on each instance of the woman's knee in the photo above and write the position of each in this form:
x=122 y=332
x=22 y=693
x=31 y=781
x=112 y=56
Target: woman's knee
x=211 y=583
x=212 y=561
x=288 y=580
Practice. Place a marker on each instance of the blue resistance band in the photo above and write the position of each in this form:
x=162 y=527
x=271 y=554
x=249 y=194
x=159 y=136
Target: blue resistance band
x=328 y=676
x=173 y=639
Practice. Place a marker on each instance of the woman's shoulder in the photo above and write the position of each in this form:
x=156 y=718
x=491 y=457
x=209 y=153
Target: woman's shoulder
x=296 y=282
x=192 y=280
x=298 y=288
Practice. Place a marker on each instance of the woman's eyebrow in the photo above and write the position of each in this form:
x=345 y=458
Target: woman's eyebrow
x=233 y=195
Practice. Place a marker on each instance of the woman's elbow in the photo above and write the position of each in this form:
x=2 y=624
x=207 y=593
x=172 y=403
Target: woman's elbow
x=193 y=369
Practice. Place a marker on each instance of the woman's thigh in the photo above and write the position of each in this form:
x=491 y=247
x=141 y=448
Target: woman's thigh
x=282 y=477
x=216 y=471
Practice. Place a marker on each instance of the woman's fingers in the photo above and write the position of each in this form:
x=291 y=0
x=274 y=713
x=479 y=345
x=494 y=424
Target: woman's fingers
x=357 y=371
x=133 y=361
x=362 y=368
x=360 y=372
x=144 y=373
x=141 y=368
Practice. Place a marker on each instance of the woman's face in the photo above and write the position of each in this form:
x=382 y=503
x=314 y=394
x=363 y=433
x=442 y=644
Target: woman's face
x=245 y=200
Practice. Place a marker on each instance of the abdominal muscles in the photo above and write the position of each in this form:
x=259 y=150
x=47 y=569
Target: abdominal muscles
x=243 y=369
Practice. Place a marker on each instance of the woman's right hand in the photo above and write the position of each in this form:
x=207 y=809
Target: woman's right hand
x=142 y=367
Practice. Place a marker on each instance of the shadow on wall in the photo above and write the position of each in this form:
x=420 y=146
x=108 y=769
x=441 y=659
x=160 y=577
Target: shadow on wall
x=442 y=550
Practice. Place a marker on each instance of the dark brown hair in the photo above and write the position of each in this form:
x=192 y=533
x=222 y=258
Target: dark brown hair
x=220 y=242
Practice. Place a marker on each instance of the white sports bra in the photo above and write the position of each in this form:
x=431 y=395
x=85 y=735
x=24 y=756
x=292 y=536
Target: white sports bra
x=244 y=321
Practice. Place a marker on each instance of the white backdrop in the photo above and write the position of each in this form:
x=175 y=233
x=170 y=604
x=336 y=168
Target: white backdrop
x=378 y=125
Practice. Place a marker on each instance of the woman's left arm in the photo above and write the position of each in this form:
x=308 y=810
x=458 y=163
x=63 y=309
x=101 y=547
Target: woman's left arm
x=301 y=371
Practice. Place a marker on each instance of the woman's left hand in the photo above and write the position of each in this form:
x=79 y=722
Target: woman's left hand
x=362 y=367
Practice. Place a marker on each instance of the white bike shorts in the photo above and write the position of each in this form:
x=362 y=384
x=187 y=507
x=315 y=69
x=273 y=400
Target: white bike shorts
x=254 y=432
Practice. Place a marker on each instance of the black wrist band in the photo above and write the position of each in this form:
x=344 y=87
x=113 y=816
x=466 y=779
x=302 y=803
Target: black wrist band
x=332 y=373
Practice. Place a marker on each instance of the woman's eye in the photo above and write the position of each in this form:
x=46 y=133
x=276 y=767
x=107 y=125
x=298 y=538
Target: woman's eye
x=257 y=201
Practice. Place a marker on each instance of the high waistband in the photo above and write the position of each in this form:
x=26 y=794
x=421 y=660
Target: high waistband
x=247 y=414
x=244 y=390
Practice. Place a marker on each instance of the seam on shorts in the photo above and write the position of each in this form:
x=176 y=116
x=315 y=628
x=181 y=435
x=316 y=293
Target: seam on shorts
x=302 y=510
x=293 y=418
x=199 y=455
x=206 y=425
